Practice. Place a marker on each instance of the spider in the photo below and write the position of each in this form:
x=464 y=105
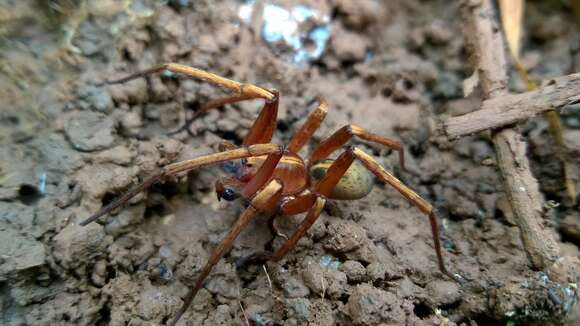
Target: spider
x=275 y=180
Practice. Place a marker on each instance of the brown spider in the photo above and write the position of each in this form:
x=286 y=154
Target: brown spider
x=275 y=179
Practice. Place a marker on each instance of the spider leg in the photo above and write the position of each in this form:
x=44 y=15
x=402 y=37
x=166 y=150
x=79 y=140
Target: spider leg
x=263 y=175
x=172 y=169
x=249 y=90
x=344 y=134
x=261 y=131
x=326 y=184
x=263 y=128
x=371 y=164
x=213 y=104
x=298 y=204
x=310 y=126
x=310 y=218
x=264 y=201
x=322 y=189
x=312 y=201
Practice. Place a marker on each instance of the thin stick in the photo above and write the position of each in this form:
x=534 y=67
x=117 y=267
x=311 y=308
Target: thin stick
x=503 y=111
x=323 y=286
x=243 y=311
x=268 y=277
x=487 y=47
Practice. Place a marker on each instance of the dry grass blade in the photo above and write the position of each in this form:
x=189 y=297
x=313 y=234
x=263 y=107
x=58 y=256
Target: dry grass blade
x=247 y=322
x=511 y=20
x=576 y=6
x=268 y=278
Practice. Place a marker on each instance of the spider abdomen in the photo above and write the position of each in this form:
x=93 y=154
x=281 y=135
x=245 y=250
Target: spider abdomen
x=356 y=183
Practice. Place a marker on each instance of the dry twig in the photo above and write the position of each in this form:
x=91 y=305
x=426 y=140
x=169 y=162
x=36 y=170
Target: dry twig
x=486 y=43
x=506 y=110
x=512 y=21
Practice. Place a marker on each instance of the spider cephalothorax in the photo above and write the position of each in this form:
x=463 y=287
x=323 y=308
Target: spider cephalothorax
x=277 y=180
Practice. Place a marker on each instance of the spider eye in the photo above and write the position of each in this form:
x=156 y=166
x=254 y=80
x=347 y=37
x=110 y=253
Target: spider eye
x=229 y=194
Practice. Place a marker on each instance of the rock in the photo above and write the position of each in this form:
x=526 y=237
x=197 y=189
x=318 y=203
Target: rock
x=441 y=293
x=379 y=270
x=322 y=314
x=97 y=180
x=168 y=114
x=27 y=292
x=134 y=300
x=258 y=314
x=89 y=39
x=480 y=151
x=460 y=208
x=344 y=236
x=66 y=308
x=301 y=308
x=131 y=122
x=223 y=281
x=131 y=93
x=99 y=275
x=572 y=141
x=169 y=149
x=95 y=98
x=408 y=289
x=120 y=155
x=368 y=305
x=57 y=154
x=293 y=288
x=317 y=231
x=366 y=253
x=19 y=215
x=169 y=25
x=438 y=33
x=18 y=252
x=90 y=131
x=359 y=14
x=355 y=271
x=159 y=91
x=124 y=221
x=570 y=225
x=349 y=46
x=77 y=245
x=222 y=315
x=327 y=282
x=189 y=268
x=154 y=305
x=16 y=172
x=448 y=86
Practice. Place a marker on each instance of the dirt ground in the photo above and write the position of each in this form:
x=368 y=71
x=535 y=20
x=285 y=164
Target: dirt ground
x=394 y=67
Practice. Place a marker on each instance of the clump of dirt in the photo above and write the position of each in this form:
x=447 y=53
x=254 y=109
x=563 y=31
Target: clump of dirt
x=394 y=68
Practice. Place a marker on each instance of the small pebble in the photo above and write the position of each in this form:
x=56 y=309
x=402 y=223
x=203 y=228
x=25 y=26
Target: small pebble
x=355 y=271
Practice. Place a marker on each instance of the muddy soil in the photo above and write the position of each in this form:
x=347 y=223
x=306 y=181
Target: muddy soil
x=394 y=67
